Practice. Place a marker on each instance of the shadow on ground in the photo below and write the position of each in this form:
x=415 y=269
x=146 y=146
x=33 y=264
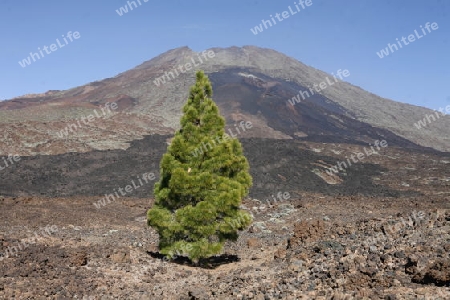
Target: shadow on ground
x=206 y=263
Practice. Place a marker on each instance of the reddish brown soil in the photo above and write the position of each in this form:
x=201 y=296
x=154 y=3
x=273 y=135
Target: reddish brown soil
x=355 y=235
x=317 y=247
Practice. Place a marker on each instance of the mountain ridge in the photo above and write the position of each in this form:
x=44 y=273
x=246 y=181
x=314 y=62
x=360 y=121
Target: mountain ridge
x=146 y=109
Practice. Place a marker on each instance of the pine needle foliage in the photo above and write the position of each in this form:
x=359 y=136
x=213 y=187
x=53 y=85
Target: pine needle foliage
x=198 y=195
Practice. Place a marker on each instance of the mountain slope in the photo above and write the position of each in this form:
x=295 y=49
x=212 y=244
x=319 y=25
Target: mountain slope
x=250 y=84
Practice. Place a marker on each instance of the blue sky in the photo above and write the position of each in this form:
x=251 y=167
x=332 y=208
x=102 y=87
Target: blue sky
x=328 y=35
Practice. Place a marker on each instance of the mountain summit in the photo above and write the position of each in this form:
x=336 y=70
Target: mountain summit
x=282 y=97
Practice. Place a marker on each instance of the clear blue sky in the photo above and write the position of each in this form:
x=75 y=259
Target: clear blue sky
x=328 y=35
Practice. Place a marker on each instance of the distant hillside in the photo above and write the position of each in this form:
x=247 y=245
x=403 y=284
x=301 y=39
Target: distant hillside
x=250 y=84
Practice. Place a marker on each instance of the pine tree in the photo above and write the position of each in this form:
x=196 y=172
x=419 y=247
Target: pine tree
x=204 y=177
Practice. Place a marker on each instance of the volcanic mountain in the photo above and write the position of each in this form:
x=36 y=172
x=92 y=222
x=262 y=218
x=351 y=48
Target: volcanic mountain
x=378 y=228
x=250 y=84
x=72 y=144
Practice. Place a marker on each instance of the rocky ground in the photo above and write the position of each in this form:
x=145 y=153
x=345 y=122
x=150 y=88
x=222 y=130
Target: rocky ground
x=276 y=165
x=379 y=229
x=310 y=247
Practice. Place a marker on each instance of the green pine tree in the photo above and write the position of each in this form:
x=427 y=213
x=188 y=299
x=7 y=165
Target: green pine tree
x=204 y=177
